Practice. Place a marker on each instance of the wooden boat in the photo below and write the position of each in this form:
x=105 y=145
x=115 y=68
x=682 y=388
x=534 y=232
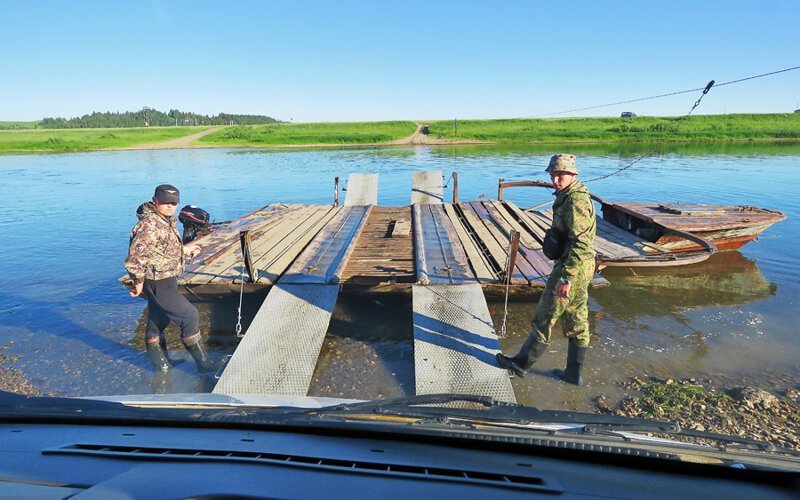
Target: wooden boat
x=641 y=234
x=728 y=227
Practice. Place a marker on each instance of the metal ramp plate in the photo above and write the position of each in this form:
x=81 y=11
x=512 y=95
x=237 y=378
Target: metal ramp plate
x=362 y=189
x=426 y=187
x=326 y=256
x=455 y=343
x=441 y=258
x=279 y=352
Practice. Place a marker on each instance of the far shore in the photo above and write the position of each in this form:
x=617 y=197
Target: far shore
x=652 y=131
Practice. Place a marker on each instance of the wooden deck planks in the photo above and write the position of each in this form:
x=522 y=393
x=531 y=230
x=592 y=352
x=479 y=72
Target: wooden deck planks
x=327 y=254
x=380 y=256
x=285 y=246
x=229 y=267
x=496 y=226
x=226 y=238
x=496 y=250
x=225 y=250
x=480 y=263
x=528 y=244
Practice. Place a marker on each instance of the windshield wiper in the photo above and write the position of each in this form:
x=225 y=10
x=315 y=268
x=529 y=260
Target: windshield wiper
x=459 y=407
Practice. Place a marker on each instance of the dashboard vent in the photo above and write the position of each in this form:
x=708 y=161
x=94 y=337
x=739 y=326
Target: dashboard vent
x=531 y=482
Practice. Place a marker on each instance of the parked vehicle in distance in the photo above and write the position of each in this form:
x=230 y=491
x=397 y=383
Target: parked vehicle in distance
x=628 y=114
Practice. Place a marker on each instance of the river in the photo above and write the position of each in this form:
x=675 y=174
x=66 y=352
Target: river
x=69 y=327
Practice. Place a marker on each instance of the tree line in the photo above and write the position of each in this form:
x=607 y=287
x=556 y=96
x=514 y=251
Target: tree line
x=152 y=118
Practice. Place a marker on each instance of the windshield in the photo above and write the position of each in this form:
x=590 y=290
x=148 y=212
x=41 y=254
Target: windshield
x=378 y=261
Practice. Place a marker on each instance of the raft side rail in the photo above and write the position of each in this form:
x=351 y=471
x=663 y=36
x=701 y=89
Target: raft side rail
x=502 y=185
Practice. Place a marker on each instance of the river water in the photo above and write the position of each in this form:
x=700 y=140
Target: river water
x=69 y=327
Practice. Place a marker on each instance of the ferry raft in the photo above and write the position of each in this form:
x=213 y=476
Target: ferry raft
x=450 y=256
x=362 y=244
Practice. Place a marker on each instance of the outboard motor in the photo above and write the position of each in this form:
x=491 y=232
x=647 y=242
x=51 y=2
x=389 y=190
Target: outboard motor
x=195 y=223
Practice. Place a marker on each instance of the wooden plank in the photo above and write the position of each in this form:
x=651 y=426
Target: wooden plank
x=362 y=189
x=228 y=268
x=327 y=254
x=531 y=262
x=279 y=257
x=232 y=255
x=534 y=232
x=427 y=187
x=501 y=234
x=440 y=257
x=479 y=262
x=401 y=228
x=488 y=241
x=378 y=257
x=531 y=247
x=224 y=239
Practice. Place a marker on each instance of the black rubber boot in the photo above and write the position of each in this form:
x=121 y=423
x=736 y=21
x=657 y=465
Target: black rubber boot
x=575 y=358
x=204 y=365
x=162 y=341
x=156 y=355
x=531 y=350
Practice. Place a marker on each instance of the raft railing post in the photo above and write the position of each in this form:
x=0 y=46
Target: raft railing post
x=500 y=190
x=455 y=187
x=336 y=191
x=252 y=272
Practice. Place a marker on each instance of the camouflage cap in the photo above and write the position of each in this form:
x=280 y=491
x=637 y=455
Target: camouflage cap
x=562 y=163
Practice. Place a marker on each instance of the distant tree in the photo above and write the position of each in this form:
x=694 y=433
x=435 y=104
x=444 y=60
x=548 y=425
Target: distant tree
x=156 y=119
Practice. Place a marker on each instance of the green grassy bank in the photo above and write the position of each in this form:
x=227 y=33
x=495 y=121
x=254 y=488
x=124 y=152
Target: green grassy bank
x=668 y=129
x=619 y=131
x=283 y=134
x=88 y=139
x=18 y=125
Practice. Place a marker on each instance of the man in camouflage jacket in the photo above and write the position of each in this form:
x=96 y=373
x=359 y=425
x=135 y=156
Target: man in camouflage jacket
x=566 y=293
x=155 y=259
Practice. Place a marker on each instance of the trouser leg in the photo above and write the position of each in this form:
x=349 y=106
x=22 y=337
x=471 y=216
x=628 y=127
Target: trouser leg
x=547 y=313
x=575 y=318
x=157 y=321
x=166 y=297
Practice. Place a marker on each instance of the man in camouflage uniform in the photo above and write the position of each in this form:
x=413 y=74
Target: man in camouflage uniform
x=567 y=291
x=155 y=259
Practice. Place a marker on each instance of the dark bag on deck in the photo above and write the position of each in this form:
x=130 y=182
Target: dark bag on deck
x=554 y=244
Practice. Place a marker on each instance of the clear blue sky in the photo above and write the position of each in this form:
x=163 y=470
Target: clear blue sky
x=375 y=60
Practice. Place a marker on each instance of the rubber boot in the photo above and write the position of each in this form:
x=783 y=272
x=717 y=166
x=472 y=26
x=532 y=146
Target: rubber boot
x=157 y=357
x=531 y=350
x=575 y=358
x=162 y=341
x=204 y=365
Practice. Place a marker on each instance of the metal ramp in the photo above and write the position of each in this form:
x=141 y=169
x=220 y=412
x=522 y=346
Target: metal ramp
x=279 y=352
x=454 y=339
x=362 y=189
x=455 y=343
x=426 y=187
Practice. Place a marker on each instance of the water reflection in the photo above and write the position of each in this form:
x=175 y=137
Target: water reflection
x=725 y=279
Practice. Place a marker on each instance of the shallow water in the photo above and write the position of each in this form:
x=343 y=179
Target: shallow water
x=71 y=329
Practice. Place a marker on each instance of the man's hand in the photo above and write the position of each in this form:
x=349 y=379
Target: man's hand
x=562 y=289
x=191 y=250
x=136 y=289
